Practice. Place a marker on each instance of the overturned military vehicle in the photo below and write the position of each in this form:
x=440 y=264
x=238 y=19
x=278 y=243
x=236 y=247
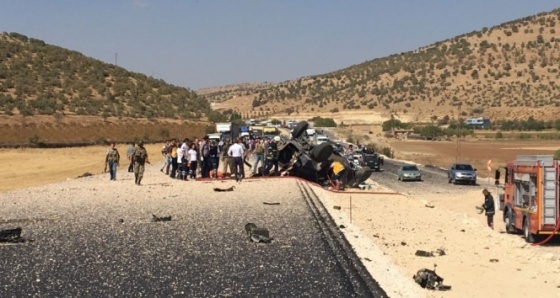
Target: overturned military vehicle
x=300 y=157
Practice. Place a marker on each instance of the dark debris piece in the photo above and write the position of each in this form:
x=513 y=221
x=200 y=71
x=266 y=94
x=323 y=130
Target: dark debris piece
x=428 y=279
x=257 y=234
x=337 y=207
x=272 y=204
x=11 y=236
x=224 y=189
x=423 y=253
x=160 y=218
x=86 y=174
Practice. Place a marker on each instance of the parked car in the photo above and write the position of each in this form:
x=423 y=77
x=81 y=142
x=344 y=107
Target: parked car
x=409 y=172
x=461 y=173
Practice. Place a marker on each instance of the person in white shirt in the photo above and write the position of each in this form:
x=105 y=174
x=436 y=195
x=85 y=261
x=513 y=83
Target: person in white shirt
x=180 y=157
x=237 y=153
x=192 y=160
x=183 y=164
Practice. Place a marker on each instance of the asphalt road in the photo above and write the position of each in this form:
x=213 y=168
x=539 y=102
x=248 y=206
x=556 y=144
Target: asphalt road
x=434 y=180
x=202 y=252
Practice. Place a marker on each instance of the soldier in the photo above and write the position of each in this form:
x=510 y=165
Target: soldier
x=140 y=157
x=489 y=207
x=112 y=159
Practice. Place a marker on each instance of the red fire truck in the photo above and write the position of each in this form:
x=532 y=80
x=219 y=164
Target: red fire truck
x=531 y=196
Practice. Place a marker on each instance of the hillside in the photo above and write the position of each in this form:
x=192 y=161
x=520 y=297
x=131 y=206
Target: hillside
x=41 y=79
x=509 y=71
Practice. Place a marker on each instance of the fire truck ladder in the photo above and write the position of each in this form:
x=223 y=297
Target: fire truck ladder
x=550 y=205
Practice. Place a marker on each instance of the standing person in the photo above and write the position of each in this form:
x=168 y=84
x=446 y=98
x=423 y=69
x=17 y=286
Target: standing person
x=173 y=155
x=184 y=161
x=129 y=152
x=192 y=160
x=236 y=153
x=246 y=154
x=226 y=160
x=214 y=159
x=205 y=157
x=259 y=156
x=181 y=156
x=140 y=156
x=489 y=207
x=112 y=159
x=165 y=158
x=271 y=157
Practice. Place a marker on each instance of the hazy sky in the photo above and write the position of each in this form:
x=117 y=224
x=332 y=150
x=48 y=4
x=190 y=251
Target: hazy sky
x=207 y=43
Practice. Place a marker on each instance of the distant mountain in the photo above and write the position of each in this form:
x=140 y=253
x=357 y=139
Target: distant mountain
x=508 y=71
x=41 y=79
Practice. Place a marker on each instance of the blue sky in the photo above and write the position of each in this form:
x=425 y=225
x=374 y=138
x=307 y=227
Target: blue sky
x=207 y=43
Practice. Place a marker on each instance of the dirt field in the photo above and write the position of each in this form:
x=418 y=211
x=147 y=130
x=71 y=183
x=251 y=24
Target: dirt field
x=443 y=154
x=33 y=167
x=16 y=130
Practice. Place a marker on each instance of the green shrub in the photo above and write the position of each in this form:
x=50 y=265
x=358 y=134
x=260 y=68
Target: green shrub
x=557 y=154
x=499 y=135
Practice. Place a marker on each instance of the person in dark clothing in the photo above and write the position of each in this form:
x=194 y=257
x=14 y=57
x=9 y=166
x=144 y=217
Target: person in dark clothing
x=205 y=158
x=214 y=159
x=173 y=154
x=271 y=157
x=489 y=207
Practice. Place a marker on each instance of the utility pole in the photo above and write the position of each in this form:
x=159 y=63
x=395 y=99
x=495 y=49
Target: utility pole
x=116 y=57
x=458 y=145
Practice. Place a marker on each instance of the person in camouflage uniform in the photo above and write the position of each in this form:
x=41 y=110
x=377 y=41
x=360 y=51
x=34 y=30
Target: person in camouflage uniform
x=140 y=157
x=112 y=159
x=226 y=160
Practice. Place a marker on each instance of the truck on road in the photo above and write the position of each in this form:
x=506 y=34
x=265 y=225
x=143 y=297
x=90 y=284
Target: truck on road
x=531 y=196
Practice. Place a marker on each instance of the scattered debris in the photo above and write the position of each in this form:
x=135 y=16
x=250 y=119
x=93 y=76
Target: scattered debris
x=121 y=220
x=423 y=253
x=428 y=279
x=268 y=203
x=342 y=226
x=403 y=243
x=429 y=206
x=337 y=207
x=160 y=218
x=463 y=230
x=494 y=260
x=440 y=251
x=86 y=174
x=224 y=189
x=11 y=236
x=257 y=234
x=367 y=259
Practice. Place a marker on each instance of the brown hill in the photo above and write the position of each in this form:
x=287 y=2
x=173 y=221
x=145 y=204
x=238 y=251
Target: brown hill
x=509 y=71
x=41 y=79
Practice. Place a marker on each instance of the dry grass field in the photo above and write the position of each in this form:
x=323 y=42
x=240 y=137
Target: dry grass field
x=477 y=152
x=32 y=167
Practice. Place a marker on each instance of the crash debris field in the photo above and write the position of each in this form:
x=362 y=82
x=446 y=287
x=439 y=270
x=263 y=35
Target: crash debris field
x=92 y=237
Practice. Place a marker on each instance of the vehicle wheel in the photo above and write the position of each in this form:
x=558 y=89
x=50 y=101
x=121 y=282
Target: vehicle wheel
x=300 y=129
x=508 y=220
x=321 y=152
x=526 y=234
